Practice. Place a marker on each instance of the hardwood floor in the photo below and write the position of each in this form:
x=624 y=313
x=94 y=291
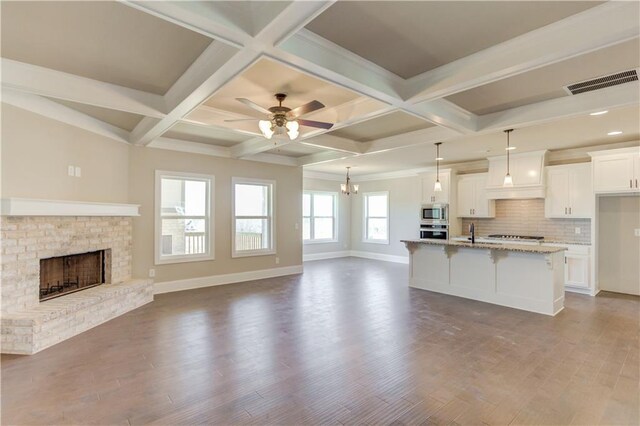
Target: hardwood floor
x=346 y=342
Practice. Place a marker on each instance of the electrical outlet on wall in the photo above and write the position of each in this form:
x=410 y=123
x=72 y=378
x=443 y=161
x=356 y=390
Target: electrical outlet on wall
x=297 y=226
x=636 y=232
x=578 y=230
x=152 y=273
x=277 y=260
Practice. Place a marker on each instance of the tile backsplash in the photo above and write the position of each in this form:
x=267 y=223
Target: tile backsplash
x=526 y=217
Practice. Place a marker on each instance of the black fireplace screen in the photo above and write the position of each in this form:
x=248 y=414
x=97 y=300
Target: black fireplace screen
x=68 y=274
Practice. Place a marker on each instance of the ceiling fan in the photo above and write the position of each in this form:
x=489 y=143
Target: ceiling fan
x=282 y=119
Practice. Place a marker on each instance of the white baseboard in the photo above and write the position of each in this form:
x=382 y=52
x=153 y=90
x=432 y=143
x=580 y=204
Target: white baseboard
x=327 y=255
x=213 y=280
x=380 y=256
x=356 y=253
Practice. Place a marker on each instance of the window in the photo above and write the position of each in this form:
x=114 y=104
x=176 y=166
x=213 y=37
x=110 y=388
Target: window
x=376 y=217
x=183 y=217
x=319 y=217
x=253 y=217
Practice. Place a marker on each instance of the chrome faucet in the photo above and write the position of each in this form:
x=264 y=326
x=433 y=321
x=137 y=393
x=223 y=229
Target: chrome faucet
x=472 y=231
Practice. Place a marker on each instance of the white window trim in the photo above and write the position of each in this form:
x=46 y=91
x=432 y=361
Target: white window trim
x=335 y=218
x=210 y=251
x=272 y=222
x=365 y=238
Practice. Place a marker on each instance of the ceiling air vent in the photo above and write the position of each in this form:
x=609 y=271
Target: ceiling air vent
x=602 y=82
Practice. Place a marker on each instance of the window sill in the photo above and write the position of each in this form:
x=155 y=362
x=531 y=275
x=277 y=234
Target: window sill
x=183 y=259
x=385 y=242
x=253 y=253
x=311 y=242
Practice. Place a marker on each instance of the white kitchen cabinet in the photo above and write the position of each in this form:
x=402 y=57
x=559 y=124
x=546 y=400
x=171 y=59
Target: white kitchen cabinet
x=472 y=197
x=569 y=192
x=577 y=267
x=429 y=196
x=616 y=170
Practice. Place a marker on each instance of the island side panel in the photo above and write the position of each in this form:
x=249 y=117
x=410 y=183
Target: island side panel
x=473 y=274
x=430 y=268
x=530 y=281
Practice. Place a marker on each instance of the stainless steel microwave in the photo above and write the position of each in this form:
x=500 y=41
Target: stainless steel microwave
x=437 y=212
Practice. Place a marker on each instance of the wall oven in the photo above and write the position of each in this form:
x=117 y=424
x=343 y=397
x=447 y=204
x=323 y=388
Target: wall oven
x=434 y=231
x=434 y=212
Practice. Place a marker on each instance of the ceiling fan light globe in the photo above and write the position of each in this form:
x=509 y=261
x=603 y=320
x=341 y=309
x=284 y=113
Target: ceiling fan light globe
x=293 y=126
x=266 y=128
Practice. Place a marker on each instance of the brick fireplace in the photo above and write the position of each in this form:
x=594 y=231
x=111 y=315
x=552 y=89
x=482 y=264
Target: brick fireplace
x=62 y=275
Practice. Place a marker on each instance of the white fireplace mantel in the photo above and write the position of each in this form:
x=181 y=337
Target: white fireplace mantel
x=37 y=207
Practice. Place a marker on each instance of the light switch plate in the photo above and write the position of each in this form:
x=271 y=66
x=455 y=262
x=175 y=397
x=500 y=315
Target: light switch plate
x=152 y=273
x=71 y=171
x=277 y=260
x=78 y=171
x=636 y=232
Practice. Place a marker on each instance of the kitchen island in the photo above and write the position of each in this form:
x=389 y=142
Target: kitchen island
x=524 y=277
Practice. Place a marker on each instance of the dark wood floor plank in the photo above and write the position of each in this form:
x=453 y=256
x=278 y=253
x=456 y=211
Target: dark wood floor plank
x=345 y=343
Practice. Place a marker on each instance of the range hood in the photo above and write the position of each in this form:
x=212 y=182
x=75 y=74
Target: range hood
x=527 y=170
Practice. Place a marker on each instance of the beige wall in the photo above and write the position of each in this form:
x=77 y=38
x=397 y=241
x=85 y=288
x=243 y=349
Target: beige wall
x=36 y=152
x=404 y=214
x=144 y=163
x=344 y=217
x=618 y=247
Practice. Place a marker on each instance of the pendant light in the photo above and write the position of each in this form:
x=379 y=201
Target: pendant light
x=437 y=187
x=508 y=180
x=346 y=187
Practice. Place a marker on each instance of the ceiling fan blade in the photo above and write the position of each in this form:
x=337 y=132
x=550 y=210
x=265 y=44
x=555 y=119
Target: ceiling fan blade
x=318 y=124
x=253 y=105
x=306 y=108
x=242 y=119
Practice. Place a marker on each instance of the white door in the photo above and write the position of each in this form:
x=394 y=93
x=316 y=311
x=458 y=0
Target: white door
x=581 y=198
x=466 y=197
x=556 y=203
x=613 y=173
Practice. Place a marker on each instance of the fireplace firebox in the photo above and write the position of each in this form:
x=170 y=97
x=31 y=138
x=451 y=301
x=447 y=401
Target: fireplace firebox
x=68 y=274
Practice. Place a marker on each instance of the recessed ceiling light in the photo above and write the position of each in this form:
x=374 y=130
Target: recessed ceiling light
x=599 y=112
x=615 y=132
x=511 y=148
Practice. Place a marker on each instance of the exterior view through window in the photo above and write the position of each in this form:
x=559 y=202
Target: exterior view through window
x=253 y=217
x=319 y=216
x=183 y=217
x=376 y=215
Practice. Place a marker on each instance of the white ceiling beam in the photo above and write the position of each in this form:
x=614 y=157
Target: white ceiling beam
x=596 y=28
x=623 y=95
x=191 y=147
x=322 y=157
x=256 y=145
x=418 y=137
x=50 y=109
x=334 y=143
x=219 y=63
x=447 y=114
x=41 y=81
x=205 y=18
x=321 y=58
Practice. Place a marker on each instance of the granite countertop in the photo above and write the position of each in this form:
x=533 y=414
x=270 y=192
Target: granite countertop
x=544 y=241
x=542 y=249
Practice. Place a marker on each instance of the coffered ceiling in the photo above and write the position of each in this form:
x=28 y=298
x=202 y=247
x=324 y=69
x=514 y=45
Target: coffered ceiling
x=394 y=77
x=411 y=37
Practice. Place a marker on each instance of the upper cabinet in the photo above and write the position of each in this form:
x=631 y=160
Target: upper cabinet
x=430 y=196
x=569 y=192
x=616 y=170
x=472 y=196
